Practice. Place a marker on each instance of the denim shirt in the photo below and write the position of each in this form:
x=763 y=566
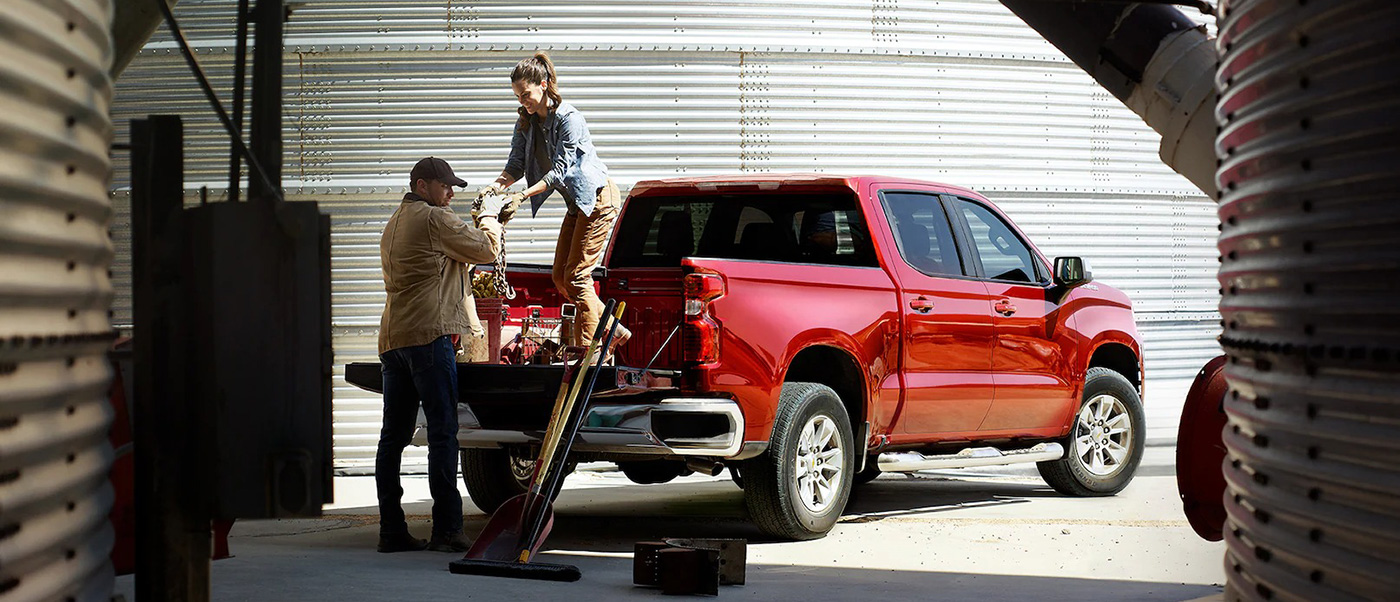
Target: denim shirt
x=576 y=171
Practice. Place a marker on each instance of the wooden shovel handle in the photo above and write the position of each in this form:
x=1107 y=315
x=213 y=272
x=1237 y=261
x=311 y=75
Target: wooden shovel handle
x=564 y=404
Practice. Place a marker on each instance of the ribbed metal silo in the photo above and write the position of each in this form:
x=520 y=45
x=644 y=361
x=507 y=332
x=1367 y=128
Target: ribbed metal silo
x=1309 y=98
x=55 y=294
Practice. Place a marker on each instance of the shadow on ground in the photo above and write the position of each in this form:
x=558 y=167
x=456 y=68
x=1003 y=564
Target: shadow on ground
x=286 y=568
x=332 y=559
x=611 y=519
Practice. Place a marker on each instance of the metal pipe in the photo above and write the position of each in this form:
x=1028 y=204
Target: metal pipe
x=265 y=130
x=1153 y=59
x=704 y=466
x=1205 y=7
x=214 y=99
x=240 y=71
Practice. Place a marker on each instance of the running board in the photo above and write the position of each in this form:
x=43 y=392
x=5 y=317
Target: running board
x=973 y=456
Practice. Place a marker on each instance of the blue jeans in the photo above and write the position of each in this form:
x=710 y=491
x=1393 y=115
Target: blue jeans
x=426 y=374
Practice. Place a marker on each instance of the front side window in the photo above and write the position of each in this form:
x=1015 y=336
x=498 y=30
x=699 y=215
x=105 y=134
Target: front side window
x=922 y=233
x=1004 y=255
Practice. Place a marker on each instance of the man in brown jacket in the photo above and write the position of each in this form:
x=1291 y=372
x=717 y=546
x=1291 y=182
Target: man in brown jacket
x=425 y=252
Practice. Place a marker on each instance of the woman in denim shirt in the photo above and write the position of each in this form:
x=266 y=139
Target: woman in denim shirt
x=553 y=151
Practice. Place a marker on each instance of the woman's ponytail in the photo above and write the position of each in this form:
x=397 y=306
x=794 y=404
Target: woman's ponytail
x=551 y=85
x=538 y=69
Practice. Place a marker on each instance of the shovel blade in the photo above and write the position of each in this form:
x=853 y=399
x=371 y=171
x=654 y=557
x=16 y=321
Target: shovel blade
x=504 y=536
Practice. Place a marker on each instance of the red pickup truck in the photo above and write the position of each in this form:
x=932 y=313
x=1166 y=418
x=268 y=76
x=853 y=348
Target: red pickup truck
x=811 y=331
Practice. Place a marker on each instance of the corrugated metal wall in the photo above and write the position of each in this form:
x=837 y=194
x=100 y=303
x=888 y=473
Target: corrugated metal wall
x=955 y=91
x=55 y=293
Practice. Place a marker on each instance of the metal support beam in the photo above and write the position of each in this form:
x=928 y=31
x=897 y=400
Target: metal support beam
x=240 y=71
x=266 y=126
x=172 y=507
x=235 y=134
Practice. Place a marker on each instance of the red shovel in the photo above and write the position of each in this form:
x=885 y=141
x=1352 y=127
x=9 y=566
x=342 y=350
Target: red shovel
x=519 y=527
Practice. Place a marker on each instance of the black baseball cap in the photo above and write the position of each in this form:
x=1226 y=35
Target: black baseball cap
x=433 y=168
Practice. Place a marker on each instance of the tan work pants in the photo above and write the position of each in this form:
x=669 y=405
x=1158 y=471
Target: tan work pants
x=580 y=246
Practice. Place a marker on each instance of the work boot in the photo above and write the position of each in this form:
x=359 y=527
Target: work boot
x=401 y=542
x=619 y=338
x=450 y=543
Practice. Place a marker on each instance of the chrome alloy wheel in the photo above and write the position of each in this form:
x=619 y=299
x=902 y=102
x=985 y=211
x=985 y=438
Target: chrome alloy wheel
x=820 y=464
x=1103 y=435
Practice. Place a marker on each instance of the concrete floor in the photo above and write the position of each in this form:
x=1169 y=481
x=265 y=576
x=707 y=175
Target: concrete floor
x=989 y=534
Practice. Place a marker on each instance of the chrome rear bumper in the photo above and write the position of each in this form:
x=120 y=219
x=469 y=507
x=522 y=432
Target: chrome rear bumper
x=682 y=426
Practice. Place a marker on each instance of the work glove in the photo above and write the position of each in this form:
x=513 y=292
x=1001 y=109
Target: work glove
x=492 y=189
x=491 y=206
x=513 y=202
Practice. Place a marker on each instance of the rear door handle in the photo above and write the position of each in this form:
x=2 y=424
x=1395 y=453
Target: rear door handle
x=922 y=305
x=1004 y=307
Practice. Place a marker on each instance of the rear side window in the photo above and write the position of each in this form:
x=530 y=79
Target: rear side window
x=923 y=233
x=790 y=228
x=1004 y=255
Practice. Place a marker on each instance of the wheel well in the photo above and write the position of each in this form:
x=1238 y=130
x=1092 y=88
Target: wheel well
x=1118 y=358
x=836 y=369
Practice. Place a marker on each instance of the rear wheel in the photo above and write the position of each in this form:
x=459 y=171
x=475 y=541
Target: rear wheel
x=798 y=488
x=493 y=476
x=1104 y=448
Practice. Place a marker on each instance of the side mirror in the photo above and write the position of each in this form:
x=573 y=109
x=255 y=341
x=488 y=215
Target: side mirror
x=1070 y=272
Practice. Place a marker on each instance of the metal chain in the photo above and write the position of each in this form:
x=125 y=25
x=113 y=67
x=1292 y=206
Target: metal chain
x=498 y=279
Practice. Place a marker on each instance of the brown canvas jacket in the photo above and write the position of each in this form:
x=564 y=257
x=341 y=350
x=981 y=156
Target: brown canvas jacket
x=426 y=253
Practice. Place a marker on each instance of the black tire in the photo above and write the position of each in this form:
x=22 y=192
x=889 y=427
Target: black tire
x=493 y=476
x=1089 y=468
x=772 y=493
x=871 y=472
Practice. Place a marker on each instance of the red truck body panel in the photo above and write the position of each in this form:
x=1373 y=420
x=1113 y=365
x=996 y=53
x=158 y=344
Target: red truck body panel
x=771 y=312
x=940 y=358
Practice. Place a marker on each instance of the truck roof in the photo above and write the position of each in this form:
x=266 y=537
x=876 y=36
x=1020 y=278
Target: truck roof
x=772 y=181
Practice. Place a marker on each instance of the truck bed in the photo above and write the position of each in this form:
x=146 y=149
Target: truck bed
x=653 y=312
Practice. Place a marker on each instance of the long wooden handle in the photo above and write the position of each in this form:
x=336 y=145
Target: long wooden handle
x=564 y=403
x=549 y=433
x=613 y=319
x=531 y=523
x=580 y=396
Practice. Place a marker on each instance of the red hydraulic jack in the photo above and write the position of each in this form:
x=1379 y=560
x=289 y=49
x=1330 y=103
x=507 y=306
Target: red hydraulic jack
x=513 y=536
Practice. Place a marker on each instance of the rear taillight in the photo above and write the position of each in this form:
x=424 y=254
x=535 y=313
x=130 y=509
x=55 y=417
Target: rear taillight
x=700 y=336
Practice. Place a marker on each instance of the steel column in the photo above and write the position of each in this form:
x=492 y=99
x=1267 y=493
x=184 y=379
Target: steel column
x=265 y=131
x=240 y=69
x=173 y=543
